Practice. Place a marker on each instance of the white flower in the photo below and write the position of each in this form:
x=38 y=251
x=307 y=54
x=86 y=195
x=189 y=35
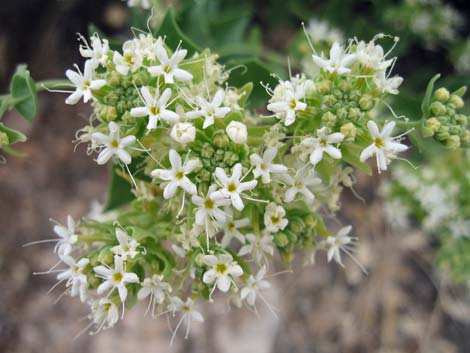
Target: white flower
x=337 y=243
x=289 y=101
x=176 y=176
x=67 y=235
x=339 y=61
x=169 y=66
x=113 y=144
x=127 y=247
x=115 y=278
x=222 y=271
x=319 y=30
x=129 y=60
x=156 y=288
x=387 y=85
x=300 y=184
x=232 y=187
x=372 y=56
x=189 y=314
x=231 y=228
x=264 y=166
x=208 y=207
x=253 y=286
x=384 y=147
x=258 y=246
x=183 y=133
x=84 y=83
x=237 y=132
x=97 y=52
x=155 y=107
x=209 y=110
x=322 y=143
x=104 y=313
x=76 y=279
x=146 y=45
x=274 y=220
x=145 y=4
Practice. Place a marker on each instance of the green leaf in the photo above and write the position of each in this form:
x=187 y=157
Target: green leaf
x=428 y=95
x=173 y=34
x=23 y=92
x=13 y=135
x=245 y=93
x=119 y=190
x=255 y=72
x=351 y=153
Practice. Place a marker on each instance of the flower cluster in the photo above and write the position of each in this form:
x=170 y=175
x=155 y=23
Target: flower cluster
x=445 y=122
x=436 y=197
x=216 y=192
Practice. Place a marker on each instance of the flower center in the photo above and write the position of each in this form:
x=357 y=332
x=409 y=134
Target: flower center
x=128 y=58
x=117 y=277
x=167 y=68
x=221 y=268
x=114 y=143
x=274 y=220
x=293 y=103
x=323 y=142
x=264 y=166
x=186 y=308
x=209 y=204
x=299 y=184
x=379 y=142
x=87 y=83
x=179 y=174
x=154 y=110
x=232 y=187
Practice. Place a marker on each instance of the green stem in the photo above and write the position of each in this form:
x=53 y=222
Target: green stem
x=91 y=238
x=52 y=84
x=409 y=124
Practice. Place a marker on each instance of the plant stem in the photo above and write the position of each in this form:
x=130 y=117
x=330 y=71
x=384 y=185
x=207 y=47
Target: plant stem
x=52 y=84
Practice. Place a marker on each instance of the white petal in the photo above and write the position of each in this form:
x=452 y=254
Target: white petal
x=105 y=155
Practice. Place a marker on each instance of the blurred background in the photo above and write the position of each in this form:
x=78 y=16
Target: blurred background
x=403 y=305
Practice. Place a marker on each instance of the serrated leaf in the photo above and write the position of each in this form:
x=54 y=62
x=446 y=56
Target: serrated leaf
x=23 y=92
x=428 y=95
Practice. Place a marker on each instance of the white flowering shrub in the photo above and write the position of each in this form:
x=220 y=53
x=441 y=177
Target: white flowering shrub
x=435 y=198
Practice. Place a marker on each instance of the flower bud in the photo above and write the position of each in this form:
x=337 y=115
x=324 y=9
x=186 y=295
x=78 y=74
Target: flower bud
x=237 y=132
x=443 y=133
x=465 y=137
x=220 y=139
x=437 y=108
x=109 y=113
x=456 y=101
x=310 y=221
x=442 y=94
x=345 y=85
x=354 y=113
x=366 y=102
x=329 y=100
x=114 y=78
x=433 y=124
x=329 y=119
x=183 y=133
x=230 y=158
x=461 y=119
x=453 y=141
x=207 y=151
x=280 y=239
x=4 y=140
x=324 y=87
x=341 y=113
x=348 y=130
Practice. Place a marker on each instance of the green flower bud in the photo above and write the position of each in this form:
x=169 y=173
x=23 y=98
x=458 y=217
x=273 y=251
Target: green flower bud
x=204 y=174
x=329 y=119
x=4 y=140
x=121 y=107
x=310 y=221
x=443 y=119
x=456 y=101
x=354 y=113
x=221 y=140
x=198 y=260
x=329 y=100
x=348 y=130
x=443 y=133
x=442 y=94
x=108 y=113
x=461 y=119
x=296 y=225
x=92 y=279
x=437 y=108
x=230 y=158
x=454 y=130
x=207 y=151
x=345 y=86
x=280 y=239
x=114 y=78
x=111 y=99
x=453 y=141
x=324 y=87
x=433 y=124
x=366 y=102
x=427 y=132
x=219 y=155
x=106 y=256
x=141 y=78
x=342 y=113
x=465 y=137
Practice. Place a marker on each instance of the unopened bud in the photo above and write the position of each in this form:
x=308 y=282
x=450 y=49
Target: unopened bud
x=329 y=119
x=4 y=140
x=437 y=108
x=324 y=87
x=366 y=102
x=465 y=137
x=442 y=94
x=348 y=130
x=280 y=239
x=456 y=101
x=183 y=133
x=453 y=141
x=237 y=132
x=433 y=124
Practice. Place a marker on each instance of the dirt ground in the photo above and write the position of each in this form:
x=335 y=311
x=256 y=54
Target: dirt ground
x=401 y=306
